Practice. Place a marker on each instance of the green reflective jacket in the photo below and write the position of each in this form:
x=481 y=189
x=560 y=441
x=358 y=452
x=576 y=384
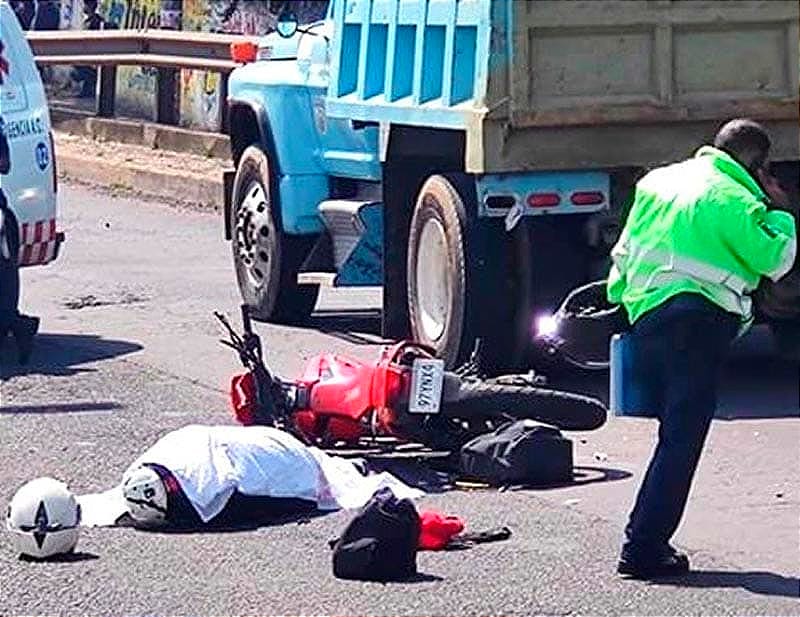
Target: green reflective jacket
x=699 y=226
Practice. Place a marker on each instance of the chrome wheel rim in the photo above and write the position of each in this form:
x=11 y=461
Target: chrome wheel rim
x=433 y=280
x=253 y=234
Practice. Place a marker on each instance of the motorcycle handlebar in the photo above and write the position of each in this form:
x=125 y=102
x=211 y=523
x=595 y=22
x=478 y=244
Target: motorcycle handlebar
x=248 y=326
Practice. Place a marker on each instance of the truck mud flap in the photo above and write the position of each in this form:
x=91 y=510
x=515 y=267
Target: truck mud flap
x=227 y=186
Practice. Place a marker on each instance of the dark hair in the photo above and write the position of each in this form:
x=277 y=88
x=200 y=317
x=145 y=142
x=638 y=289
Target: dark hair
x=745 y=140
x=5 y=151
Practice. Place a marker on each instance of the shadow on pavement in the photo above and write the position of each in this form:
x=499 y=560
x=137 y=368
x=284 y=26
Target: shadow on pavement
x=764 y=583
x=355 y=327
x=241 y=513
x=421 y=474
x=53 y=408
x=752 y=387
x=420 y=578
x=758 y=387
x=62 y=558
x=63 y=354
x=581 y=476
x=440 y=474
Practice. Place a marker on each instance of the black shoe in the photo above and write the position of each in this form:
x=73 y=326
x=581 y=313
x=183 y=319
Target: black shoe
x=668 y=562
x=25 y=329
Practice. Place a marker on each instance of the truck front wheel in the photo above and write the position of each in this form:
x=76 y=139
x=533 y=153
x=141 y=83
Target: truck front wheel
x=266 y=259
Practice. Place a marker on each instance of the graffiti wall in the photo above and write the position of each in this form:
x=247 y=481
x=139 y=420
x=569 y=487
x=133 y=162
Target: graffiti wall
x=136 y=86
x=199 y=93
x=199 y=97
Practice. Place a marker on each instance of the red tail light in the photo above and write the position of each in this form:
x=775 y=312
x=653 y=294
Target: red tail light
x=544 y=200
x=394 y=386
x=587 y=198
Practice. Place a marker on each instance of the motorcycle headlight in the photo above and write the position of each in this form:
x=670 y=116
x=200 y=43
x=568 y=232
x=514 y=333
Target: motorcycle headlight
x=546 y=326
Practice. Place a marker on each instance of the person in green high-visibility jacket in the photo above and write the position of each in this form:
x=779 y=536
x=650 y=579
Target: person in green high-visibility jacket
x=700 y=235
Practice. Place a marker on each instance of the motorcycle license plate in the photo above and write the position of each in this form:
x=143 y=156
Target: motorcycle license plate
x=427 y=376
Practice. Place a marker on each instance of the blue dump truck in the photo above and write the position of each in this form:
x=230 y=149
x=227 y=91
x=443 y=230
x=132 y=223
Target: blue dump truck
x=475 y=157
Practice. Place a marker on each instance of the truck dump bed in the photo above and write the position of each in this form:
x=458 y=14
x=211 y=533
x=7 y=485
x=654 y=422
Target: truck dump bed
x=564 y=85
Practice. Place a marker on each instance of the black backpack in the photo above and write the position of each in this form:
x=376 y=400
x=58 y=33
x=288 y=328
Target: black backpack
x=520 y=452
x=380 y=543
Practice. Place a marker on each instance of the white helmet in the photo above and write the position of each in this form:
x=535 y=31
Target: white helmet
x=146 y=496
x=43 y=517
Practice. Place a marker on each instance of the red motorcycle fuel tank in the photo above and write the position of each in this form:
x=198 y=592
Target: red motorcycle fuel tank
x=340 y=386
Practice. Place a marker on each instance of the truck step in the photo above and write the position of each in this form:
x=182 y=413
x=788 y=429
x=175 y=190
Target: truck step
x=355 y=242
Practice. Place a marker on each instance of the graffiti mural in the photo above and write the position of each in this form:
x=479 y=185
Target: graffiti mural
x=38 y=14
x=132 y=14
x=200 y=90
x=251 y=17
x=136 y=86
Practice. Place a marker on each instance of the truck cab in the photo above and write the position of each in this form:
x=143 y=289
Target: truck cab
x=475 y=158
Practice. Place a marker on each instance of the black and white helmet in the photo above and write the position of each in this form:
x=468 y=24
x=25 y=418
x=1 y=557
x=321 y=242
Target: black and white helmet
x=581 y=329
x=146 y=496
x=43 y=518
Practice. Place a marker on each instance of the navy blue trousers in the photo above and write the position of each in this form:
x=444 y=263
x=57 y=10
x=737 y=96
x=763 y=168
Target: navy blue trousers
x=689 y=338
x=9 y=271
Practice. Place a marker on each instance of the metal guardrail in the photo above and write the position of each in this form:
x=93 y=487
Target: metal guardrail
x=169 y=51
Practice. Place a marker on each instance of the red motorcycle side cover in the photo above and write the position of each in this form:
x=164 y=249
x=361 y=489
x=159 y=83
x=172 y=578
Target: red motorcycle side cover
x=344 y=391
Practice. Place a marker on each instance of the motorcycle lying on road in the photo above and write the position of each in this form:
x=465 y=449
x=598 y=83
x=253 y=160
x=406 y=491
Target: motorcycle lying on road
x=406 y=394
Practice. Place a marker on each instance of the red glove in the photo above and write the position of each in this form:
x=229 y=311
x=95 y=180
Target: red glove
x=436 y=530
x=243 y=398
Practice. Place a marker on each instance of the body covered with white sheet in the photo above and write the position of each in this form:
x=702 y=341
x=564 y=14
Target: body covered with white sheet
x=212 y=462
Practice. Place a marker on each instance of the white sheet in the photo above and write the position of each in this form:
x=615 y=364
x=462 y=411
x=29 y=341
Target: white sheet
x=211 y=462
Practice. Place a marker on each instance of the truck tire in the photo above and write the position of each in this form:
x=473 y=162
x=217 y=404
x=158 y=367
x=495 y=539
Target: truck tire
x=438 y=263
x=467 y=278
x=265 y=258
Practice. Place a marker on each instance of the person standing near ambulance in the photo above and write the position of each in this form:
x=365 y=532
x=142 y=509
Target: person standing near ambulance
x=698 y=239
x=23 y=327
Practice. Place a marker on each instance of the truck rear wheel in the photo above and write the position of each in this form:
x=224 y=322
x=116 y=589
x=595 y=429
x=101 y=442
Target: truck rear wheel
x=266 y=259
x=467 y=278
x=438 y=261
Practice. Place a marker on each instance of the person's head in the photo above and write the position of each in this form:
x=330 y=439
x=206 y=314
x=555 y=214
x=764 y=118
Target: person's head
x=89 y=7
x=146 y=496
x=746 y=141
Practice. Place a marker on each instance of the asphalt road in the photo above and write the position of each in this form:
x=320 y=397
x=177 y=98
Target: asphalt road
x=129 y=350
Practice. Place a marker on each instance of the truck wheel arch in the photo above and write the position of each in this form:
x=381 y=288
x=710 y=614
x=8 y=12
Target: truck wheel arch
x=249 y=124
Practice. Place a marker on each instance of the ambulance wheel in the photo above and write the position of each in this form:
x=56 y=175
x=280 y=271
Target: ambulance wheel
x=265 y=258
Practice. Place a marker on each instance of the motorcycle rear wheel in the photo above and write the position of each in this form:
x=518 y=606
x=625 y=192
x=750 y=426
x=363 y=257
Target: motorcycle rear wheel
x=475 y=400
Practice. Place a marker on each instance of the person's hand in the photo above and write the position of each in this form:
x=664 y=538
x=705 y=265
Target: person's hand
x=775 y=192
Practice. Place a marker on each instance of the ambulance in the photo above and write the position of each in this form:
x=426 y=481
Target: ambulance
x=30 y=184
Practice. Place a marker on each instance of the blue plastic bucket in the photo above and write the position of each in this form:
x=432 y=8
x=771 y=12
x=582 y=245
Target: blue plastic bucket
x=632 y=386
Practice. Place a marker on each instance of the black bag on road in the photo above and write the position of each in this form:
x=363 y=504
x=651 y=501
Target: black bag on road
x=520 y=452
x=380 y=543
